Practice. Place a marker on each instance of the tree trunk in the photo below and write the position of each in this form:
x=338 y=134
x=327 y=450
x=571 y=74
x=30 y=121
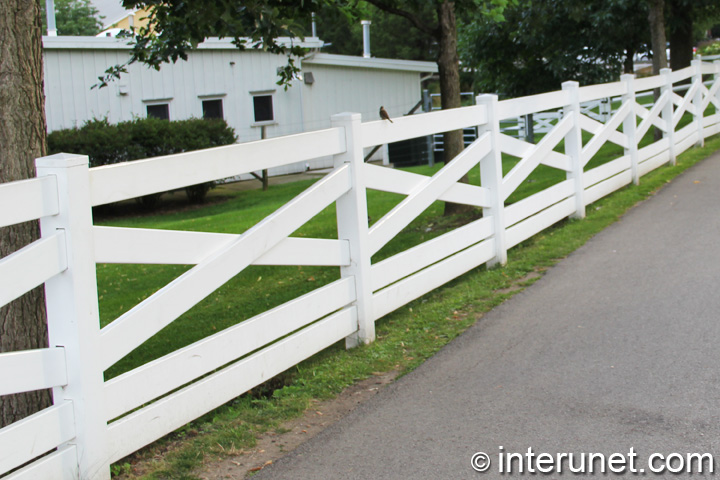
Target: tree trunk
x=681 y=36
x=22 y=139
x=629 y=64
x=656 y=16
x=449 y=73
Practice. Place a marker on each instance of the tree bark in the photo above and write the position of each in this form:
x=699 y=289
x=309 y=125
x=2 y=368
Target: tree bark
x=656 y=17
x=449 y=73
x=681 y=36
x=22 y=139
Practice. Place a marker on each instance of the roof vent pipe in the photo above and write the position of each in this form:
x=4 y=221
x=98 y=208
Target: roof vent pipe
x=366 y=38
x=314 y=25
x=50 y=12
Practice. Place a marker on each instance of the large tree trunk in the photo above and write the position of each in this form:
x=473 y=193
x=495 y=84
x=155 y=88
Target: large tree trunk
x=681 y=36
x=449 y=72
x=656 y=16
x=22 y=139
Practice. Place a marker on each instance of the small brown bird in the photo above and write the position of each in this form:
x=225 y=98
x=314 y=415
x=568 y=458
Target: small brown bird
x=384 y=115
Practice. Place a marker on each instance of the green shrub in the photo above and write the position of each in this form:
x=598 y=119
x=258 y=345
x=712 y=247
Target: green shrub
x=107 y=144
x=712 y=49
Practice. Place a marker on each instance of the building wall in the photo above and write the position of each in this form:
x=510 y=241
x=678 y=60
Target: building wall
x=219 y=71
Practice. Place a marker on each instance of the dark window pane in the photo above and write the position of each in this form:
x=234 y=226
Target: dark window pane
x=263 y=108
x=212 y=109
x=161 y=111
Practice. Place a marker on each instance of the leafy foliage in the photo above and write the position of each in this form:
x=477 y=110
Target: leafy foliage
x=544 y=43
x=107 y=144
x=74 y=17
x=176 y=26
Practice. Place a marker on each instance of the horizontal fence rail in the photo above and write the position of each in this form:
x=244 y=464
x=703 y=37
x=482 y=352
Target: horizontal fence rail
x=95 y=422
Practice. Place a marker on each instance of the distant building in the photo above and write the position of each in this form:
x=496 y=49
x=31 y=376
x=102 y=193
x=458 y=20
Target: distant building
x=218 y=80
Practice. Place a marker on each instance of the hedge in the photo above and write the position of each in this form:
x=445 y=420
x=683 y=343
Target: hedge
x=107 y=144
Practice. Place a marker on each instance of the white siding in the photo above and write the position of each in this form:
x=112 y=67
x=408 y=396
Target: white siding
x=218 y=70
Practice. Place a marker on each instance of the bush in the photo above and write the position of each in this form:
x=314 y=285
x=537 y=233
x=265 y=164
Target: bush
x=107 y=144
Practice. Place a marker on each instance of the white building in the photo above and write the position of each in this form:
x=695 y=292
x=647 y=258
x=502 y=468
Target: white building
x=220 y=80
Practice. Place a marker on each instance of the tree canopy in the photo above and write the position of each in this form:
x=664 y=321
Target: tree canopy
x=74 y=17
x=544 y=43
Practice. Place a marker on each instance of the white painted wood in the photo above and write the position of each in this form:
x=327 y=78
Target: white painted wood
x=630 y=127
x=152 y=315
x=72 y=310
x=648 y=83
x=654 y=162
x=605 y=171
x=59 y=465
x=653 y=149
x=599 y=139
x=574 y=145
x=121 y=181
x=426 y=193
x=32 y=370
x=25 y=439
x=537 y=223
x=528 y=164
x=519 y=148
x=152 y=422
x=432 y=251
x=175 y=247
x=352 y=225
x=686 y=105
x=491 y=177
x=538 y=202
x=687 y=142
x=605 y=90
x=712 y=130
x=145 y=383
x=683 y=74
x=410 y=288
x=30 y=199
x=682 y=134
x=652 y=117
x=517 y=107
x=25 y=269
x=698 y=99
x=606 y=187
x=593 y=126
x=413 y=126
x=404 y=183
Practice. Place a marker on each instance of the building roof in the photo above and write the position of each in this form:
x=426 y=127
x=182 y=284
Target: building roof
x=111 y=43
x=111 y=11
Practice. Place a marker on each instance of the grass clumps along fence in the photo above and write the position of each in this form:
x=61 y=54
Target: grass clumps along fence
x=107 y=144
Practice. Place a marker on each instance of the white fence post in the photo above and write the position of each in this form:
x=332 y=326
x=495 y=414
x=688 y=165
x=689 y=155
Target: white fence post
x=491 y=177
x=352 y=222
x=630 y=126
x=697 y=100
x=716 y=78
x=667 y=113
x=72 y=309
x=573 y=147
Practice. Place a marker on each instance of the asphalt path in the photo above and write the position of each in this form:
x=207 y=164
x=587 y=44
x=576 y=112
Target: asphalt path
x=616 y=347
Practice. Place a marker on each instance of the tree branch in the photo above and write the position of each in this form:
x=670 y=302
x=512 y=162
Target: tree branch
x=414 y=19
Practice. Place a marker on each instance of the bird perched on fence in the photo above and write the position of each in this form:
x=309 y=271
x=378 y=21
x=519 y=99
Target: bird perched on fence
x=384 y=115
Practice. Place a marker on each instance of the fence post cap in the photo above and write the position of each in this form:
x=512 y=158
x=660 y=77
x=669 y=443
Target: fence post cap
x=346 y=117
x=62 y=160
x=570 y=84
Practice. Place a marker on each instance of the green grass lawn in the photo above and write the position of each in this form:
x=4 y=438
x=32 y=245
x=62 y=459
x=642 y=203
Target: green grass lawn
x=404 y=338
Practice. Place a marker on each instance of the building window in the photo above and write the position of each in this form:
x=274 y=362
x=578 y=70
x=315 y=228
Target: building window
x=263 y=107
x=159 y=110
x=212 y=108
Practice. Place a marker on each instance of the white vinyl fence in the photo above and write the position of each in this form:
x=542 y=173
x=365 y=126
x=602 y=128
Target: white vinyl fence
x=95 y=422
